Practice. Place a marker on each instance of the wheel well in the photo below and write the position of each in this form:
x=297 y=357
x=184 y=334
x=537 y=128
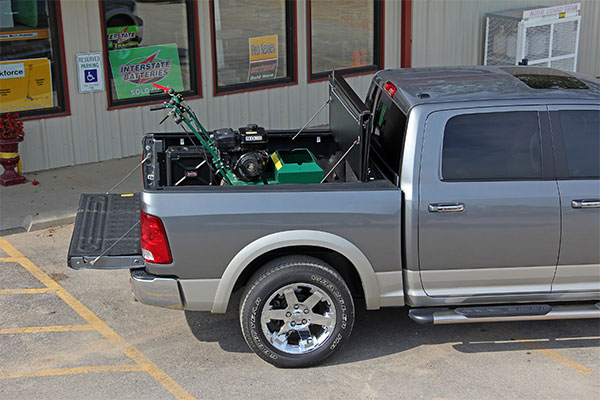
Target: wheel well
x=337 y=261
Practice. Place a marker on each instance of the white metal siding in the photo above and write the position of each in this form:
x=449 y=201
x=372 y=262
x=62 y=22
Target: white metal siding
x=445 y=32
x=93 y=133
x=451 y=32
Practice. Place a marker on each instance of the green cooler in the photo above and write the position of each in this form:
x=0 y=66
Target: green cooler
x=296 y=166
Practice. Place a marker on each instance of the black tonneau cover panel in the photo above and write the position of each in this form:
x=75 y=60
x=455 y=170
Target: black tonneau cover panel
x=107 y=232
x=350 y=119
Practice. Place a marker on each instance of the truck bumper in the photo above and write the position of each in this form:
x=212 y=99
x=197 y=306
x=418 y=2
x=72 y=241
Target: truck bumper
x=155 y=291
x=178 y=294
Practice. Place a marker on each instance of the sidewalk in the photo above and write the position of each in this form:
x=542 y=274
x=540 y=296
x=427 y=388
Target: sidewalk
x=54 y=201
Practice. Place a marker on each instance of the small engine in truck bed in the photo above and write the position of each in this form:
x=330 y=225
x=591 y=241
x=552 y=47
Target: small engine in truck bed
x=243 y=151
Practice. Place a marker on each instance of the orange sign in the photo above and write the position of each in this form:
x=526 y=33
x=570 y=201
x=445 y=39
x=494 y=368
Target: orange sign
x=263 y=57
x=20 y=34
x=263 y=48
x=25 y=85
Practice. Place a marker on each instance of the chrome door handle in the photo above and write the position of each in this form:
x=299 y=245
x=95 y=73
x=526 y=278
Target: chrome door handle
x=585 y=204
x=447 y=207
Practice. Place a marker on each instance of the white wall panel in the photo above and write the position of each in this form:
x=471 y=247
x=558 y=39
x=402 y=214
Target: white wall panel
x=451 y=32
x=32 y=151
x=61 y=146
x=93 y=133
x=445 y=32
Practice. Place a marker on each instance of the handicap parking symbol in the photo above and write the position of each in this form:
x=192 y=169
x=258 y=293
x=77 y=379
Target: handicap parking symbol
x=91 y=75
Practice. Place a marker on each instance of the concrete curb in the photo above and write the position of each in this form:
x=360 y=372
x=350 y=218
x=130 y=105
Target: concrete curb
x=49 y=222
x=31 y=223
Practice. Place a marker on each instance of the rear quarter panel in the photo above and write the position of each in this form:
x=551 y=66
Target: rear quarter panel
x=207 y=228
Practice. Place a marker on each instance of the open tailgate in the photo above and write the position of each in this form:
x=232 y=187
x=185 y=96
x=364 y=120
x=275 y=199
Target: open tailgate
x=107 y=232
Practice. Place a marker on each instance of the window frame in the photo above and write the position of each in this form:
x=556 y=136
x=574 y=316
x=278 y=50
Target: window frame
x=378 y=46
x=62 y=87
x=195 y=91
x=291 y=31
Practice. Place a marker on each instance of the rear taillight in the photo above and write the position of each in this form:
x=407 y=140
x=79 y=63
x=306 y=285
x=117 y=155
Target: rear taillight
x=155 y=246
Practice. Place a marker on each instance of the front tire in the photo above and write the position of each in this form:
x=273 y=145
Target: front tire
x=296 y=311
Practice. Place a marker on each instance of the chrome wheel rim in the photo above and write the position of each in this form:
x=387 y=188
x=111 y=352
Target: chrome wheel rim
x=298 y=318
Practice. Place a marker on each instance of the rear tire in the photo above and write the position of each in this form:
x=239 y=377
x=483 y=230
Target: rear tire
x=296 y=311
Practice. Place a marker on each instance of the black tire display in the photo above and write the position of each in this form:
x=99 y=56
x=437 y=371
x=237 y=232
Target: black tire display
x=296 y=311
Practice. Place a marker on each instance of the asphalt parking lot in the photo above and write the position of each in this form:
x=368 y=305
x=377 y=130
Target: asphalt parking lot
x=79 y=334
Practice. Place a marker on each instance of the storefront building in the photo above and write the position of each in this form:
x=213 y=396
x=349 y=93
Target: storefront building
x=81 y=72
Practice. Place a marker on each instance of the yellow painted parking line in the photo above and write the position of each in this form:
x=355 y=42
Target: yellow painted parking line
x=76 y=371
x=40 y=329
x=140 y=359
x=577 y=338
x=26 y=291
x=14 y=258
x=559 y=358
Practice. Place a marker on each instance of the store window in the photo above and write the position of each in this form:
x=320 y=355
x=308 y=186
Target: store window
x=344 y=35
x=149 y=42
x=32 y=77
x=253 y=43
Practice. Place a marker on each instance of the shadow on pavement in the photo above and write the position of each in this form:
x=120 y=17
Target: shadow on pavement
x=390 y=331
x=222 y=328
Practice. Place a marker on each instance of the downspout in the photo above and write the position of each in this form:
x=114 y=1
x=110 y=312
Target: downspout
x=406 y=32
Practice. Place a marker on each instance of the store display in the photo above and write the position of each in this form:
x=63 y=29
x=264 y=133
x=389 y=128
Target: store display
x=6 y=18
x=146 y=42
x=135 y=69
x=31 y=71
x=31 y=13
x=25 y=85
x=119 y=37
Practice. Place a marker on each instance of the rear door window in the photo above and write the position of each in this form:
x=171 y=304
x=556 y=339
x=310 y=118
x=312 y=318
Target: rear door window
x=581 y=136
x=492 y=146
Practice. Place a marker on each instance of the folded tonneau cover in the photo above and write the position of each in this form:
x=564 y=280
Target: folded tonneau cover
x=107 y=232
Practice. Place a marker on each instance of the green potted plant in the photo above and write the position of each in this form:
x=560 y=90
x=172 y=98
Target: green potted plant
x=11 y=134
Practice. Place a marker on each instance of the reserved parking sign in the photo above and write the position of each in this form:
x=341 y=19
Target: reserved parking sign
x=90 y=72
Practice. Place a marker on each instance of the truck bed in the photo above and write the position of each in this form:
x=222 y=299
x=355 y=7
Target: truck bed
x=320 y=142
x=341 y=150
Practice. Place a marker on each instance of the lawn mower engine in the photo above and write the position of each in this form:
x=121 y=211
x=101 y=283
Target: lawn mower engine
x=243 y=151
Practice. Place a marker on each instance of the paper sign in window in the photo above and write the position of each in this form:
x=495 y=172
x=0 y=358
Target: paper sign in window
x=263 y=57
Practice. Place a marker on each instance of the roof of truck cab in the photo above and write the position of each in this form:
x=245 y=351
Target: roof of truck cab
x=483 y=83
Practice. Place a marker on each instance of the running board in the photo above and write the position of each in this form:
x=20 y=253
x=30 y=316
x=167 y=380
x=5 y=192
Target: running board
x=524 y=312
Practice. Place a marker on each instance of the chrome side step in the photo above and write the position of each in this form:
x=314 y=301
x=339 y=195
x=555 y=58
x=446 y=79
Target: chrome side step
x=523 y=312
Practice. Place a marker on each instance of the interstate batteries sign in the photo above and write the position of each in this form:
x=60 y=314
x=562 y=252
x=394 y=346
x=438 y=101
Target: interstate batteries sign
x=25 y=85
x=136 y=69
x=263 y=58
x=122 y=36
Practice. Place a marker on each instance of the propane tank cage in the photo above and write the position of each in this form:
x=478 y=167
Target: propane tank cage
x=545 y=37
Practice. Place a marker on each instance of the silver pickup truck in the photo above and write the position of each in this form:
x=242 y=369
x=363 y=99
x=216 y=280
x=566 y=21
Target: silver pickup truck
x=466 y=194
